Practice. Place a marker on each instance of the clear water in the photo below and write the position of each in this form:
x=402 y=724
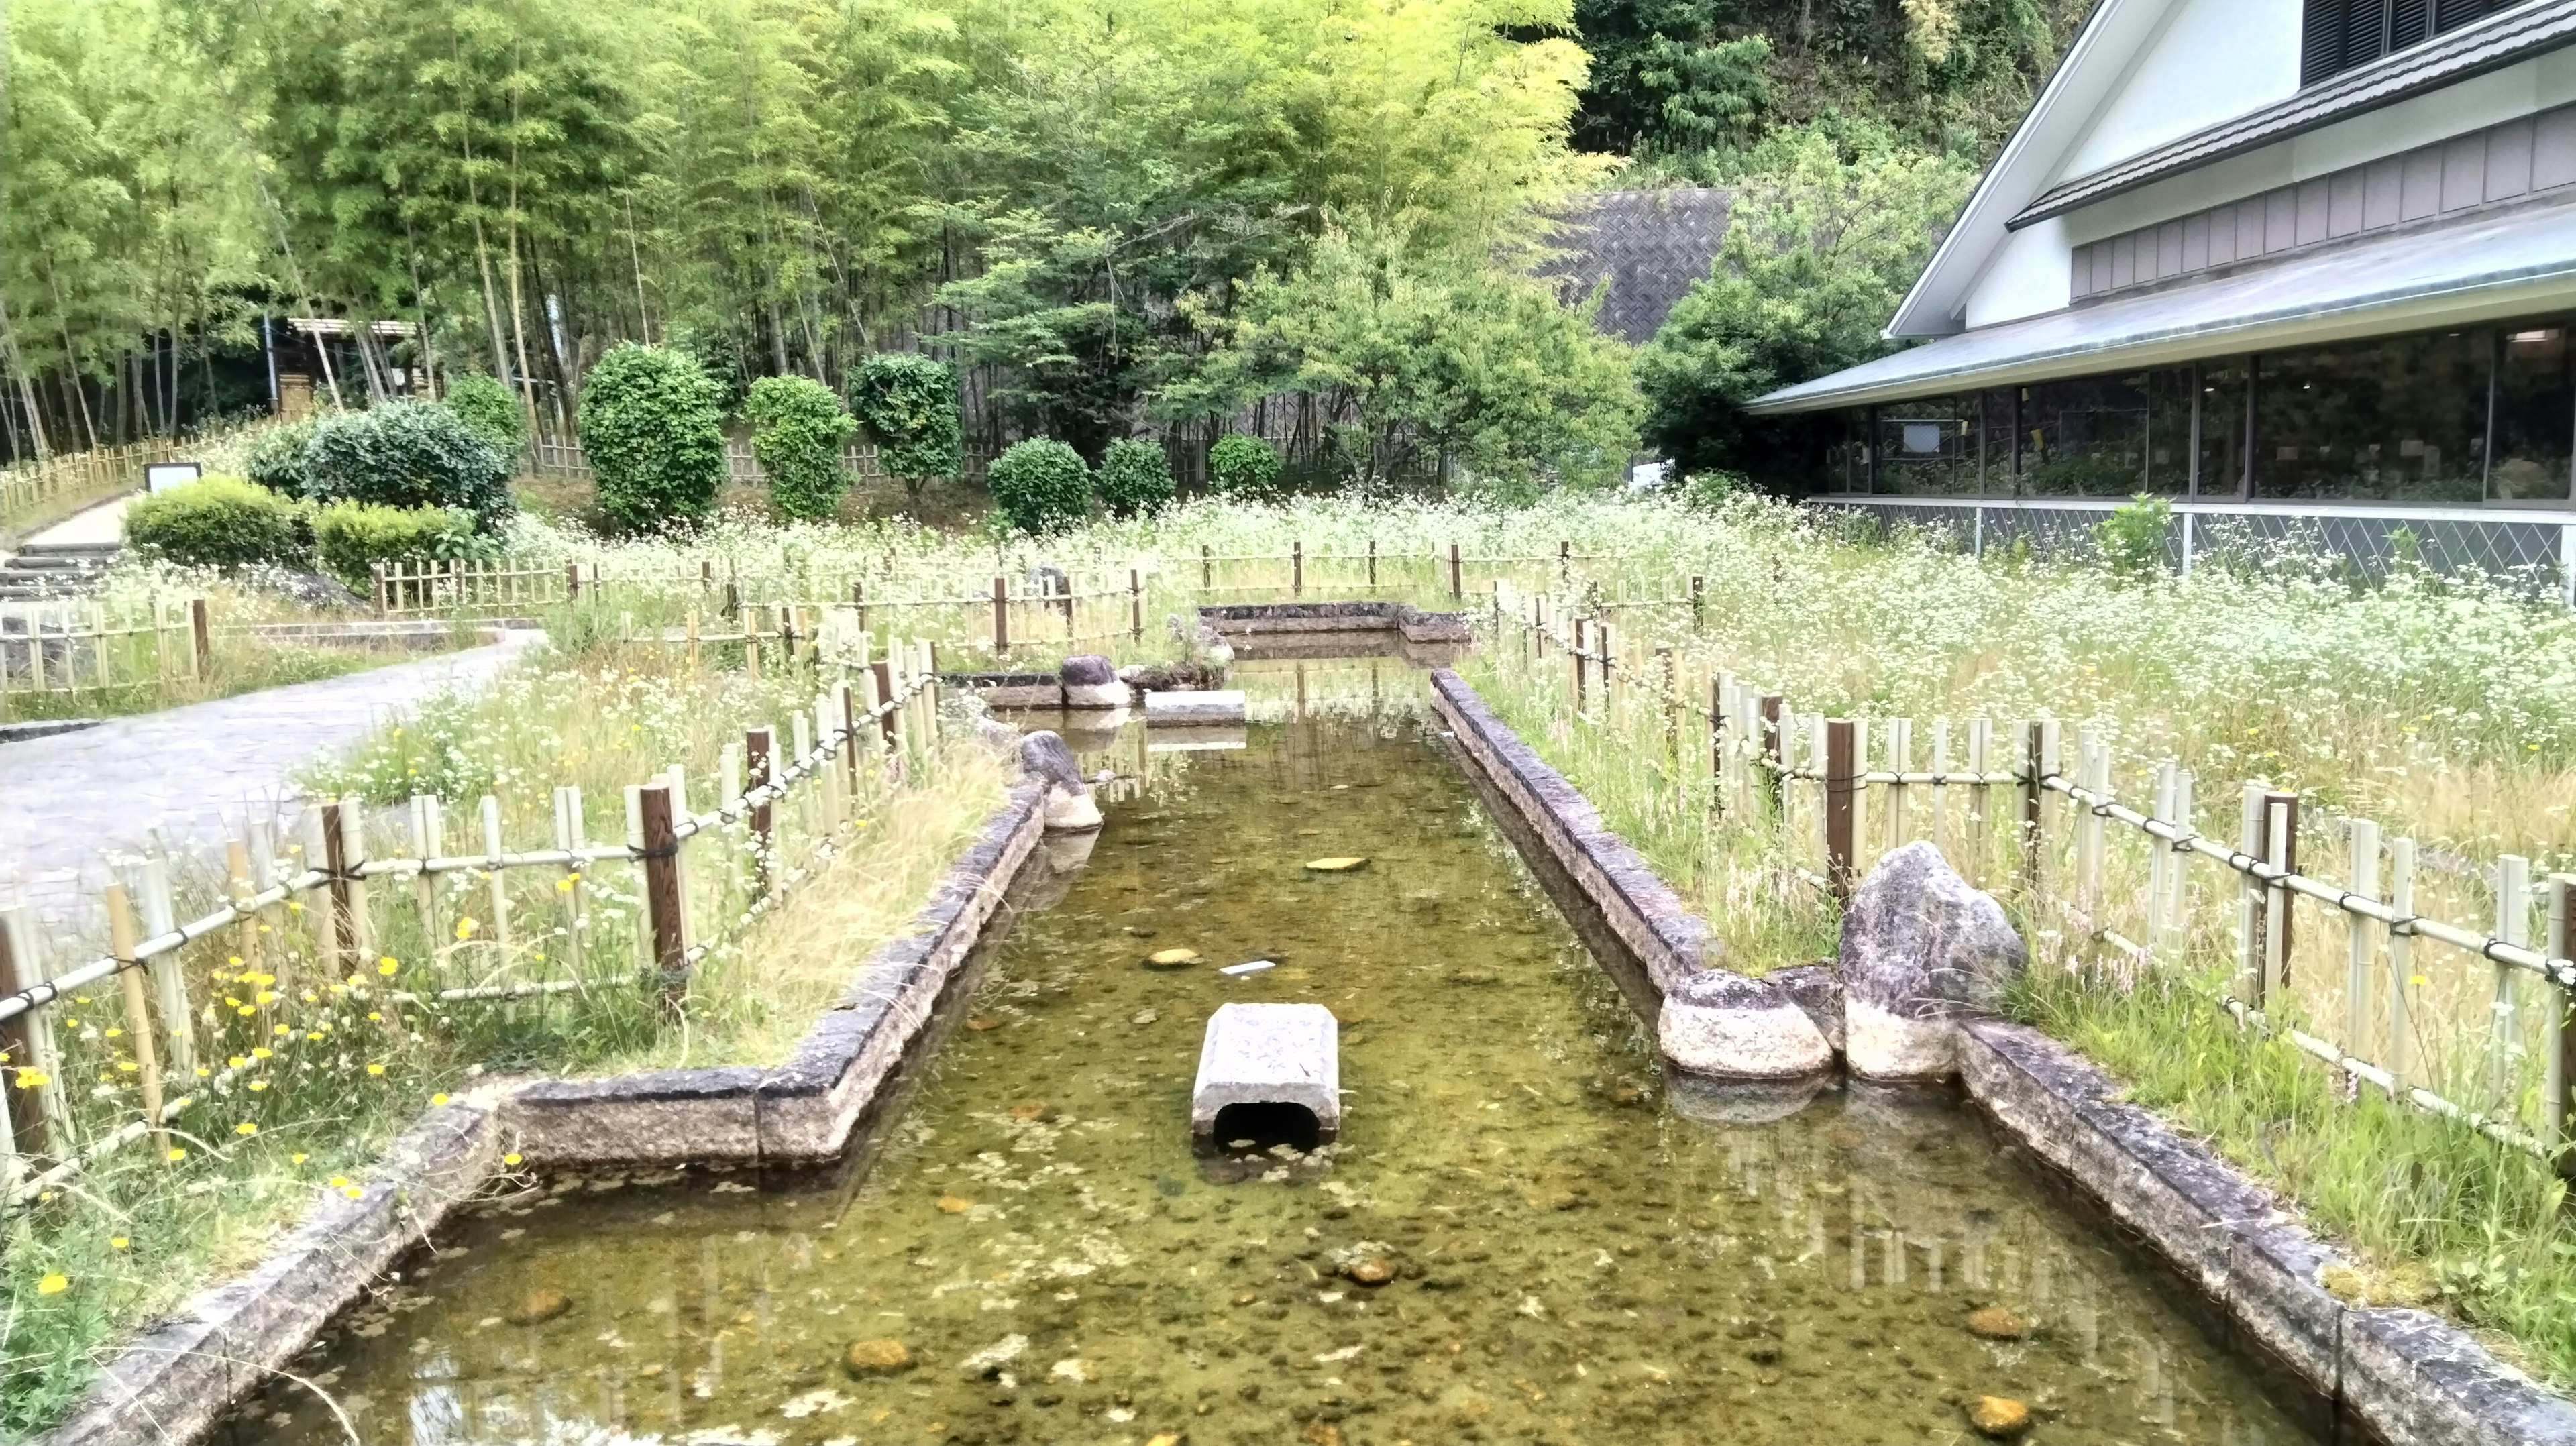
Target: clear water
x=1576 y=1258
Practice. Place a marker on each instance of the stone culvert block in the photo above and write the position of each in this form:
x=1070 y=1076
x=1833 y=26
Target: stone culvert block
x=1721 y=1025
x=1270 y=1073
x=1921 y=950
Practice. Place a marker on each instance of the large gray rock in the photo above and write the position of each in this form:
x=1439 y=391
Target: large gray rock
x=1719 y=1024
x=1090 y=682
x=1069 y=804
x=1921 y=951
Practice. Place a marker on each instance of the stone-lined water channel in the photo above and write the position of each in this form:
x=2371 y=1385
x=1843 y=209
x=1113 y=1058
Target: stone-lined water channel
x=1034 y=1256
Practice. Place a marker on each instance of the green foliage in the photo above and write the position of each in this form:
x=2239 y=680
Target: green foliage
x=655 y=439
x=1820 y=246
x=1040 y=485
x=275 y=459
x=907 y=403
x=352 y=537
x=1135 y=478
x=798 y=430
x=1433 y=359
x=406 y=454
x=218 y=522
x=490 y=411
x=1243 y=467
x=2132 y=539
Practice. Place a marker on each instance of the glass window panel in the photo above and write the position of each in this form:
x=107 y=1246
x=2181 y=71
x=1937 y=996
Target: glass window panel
x=1928 y=448
x=2403 y=420
x=2535 y=415
x=2107 y=436
x=2222 y=429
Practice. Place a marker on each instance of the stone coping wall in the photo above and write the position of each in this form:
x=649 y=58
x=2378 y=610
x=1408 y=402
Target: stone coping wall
x=172 y=1385
x=2404 y=1377
x=1263 y=619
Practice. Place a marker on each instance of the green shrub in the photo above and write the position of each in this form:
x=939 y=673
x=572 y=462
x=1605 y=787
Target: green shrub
x=1241 y=466
x=219 y=522
x=908 y=405
x=1040 y=485
x=1134 y=477
x=488 y=409
x=352 y=537
x=276 y=458
x=654 y=434
x=2132 y=539
x=798 y=430
x=406 y=454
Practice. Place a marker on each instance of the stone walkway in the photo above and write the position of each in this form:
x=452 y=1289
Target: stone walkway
x=102 y=523
x=193 y=775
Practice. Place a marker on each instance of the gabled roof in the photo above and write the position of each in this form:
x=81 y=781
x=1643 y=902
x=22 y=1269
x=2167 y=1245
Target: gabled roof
x=2514 y=262
x=2492 y=43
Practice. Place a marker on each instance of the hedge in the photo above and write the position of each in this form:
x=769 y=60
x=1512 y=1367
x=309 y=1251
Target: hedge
x=798 y=430
x=352 y=537
x=407 y=454
x=1241 y=466
x=1134 y=477
x=219 y=522
x=908 y=405
x=1040 y=485
x=654 y=434
x=488 y=409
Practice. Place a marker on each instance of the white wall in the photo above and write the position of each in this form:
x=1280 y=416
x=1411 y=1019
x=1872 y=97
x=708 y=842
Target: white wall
x=2211 y=61
x=2028 y=275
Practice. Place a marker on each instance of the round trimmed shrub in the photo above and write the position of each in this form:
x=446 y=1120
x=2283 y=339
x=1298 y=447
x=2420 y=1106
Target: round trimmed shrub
x=352 y=537
x=406 y=454
x=653 y=430
x=797 y=432
x=907 y=403
x=1134 y=477
x=1241 y=466
x=275 y=459
x=488 y=409
x=1040 y=485
x=223 y=522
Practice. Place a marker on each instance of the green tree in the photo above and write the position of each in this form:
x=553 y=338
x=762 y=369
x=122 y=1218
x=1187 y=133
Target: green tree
x=798 y=431
x=1242 y=467
x=1040 y=485
x=1820 y=246
x=655 y=437
x=907 y=404
x=1135 y=478
x=484 y=404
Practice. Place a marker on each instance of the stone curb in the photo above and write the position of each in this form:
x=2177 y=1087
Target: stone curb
x=2401 y=1376
x=1640 y=908
x=1256 y=619
x=174 y=1382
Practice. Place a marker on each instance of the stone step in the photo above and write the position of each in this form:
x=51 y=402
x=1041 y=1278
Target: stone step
x=102 y=551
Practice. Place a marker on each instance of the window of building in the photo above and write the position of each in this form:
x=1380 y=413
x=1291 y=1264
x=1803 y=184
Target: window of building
x=2401 y=419
x=2222 y=428
x=1928 y=448
x=2108 y=436
x=2535 y=415
x=2338 y=35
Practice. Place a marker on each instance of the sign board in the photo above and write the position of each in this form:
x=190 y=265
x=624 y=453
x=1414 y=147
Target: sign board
x=162 y=476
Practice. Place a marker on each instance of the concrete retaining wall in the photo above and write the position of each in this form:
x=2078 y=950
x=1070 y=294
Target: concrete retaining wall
x=1239 y=620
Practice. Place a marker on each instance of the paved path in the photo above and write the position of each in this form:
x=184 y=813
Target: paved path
x=195 y=774
x=102 y=523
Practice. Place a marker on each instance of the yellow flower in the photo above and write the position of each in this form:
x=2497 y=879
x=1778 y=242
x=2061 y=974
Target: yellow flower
x=245 y=1011
x=177 y=1154
x=235 y=961
x=113 y=1031
x=30 y=1078
x=54 y=1284
x=387 y=967
x=297 y=1159
x=245 y=1128
x=378 y=1018
x=265 y=996
x=339 y=1180
x=352 y=1191
x=203 y=1072
x=465 y=928
x=125 y=1066
x=257 y=1085
x=511 y=1158
x=237 y=1061
x=564 y=885
x=375 y=1069
x=439 y=1098
x=118 y=1242
x=263 y=1052
x=282 y=1029
x=2417 y=979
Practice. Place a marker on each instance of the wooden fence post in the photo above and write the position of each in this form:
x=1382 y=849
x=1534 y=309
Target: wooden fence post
x=201 y=639
x=138 y=1010
x=1207 y=567
x=19 y=1056
x=1001 y=615
x=2558 y=1046
x=881 y=686
x=1457 y=589
x=1297 y=567
x=335 y=862
x=572 y=582
x=1372 y=563
x=662 y=896
x=1136 y=604
x=381 y=596
x=849 y=738
x=1565 y=564
x=859 y=604
x=1775 y=748
x=757 y=746
x=2513 y=926
x=1580 y=663
x=1719 y=688
x=2035 y=763
x=2281 y=850
x=1842 y=780
x=1699 y=601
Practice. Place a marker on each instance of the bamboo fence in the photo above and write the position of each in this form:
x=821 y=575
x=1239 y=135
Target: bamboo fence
x=499 y=925
x=77 y=647
x=35 y=493
x=2420 y=975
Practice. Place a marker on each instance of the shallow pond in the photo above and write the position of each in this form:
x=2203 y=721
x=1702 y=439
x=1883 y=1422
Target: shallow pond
x=1574 y=1258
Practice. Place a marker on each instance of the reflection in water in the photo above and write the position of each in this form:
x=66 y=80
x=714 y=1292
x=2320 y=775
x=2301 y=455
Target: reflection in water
x=1558 y=1251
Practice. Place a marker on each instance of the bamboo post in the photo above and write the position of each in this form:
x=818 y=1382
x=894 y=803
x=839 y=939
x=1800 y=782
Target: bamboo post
x=692 y=639
x=1699 y=601
x=758 y=746
x=428 y=840
x=1001 y=616
x=800 y=735
x=2359 y=939
x=2513 y=926
x=25 y=1054
x=138 y=1011
x=1775 y=750
x=169 y=972
x=1297 y=567
x=201 y=640
x=1900 y=759
x=2093 y=767
x=2281 y=851
x=338 y=856
x=2034 y=756
x=1457 y=588
x=662 y=901
x=1136 y=604
x=2558 y=1047
x=1940 y=830
x=1720 y=690
x=383 y=599
x=572 y=582
x=1580 y=658
x=1842 y=781
x=1372 y=564
x=1207 y=567
x=2178 y=901
x=2159 y=858
x=570 y=831
x=2401 y=952
x=493 y=881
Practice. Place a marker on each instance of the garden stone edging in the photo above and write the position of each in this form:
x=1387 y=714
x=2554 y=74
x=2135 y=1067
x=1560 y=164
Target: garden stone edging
x=2408 y=1377
x=174 y=1382
x=1256 y=619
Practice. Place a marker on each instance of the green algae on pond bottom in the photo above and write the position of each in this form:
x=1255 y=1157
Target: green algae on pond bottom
x=1572 y=1259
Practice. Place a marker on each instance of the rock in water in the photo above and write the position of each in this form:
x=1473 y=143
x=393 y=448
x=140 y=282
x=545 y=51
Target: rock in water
x=883 y=1356
x=1069 y=804
x=1333 y=865
x=1172 y=958
x=1720 y=1024
x=1995 y=1323
x=1370 y=1270
x=540 y=1306
x=1921 y=950
x=1999 y=1417
x=1090 y=682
